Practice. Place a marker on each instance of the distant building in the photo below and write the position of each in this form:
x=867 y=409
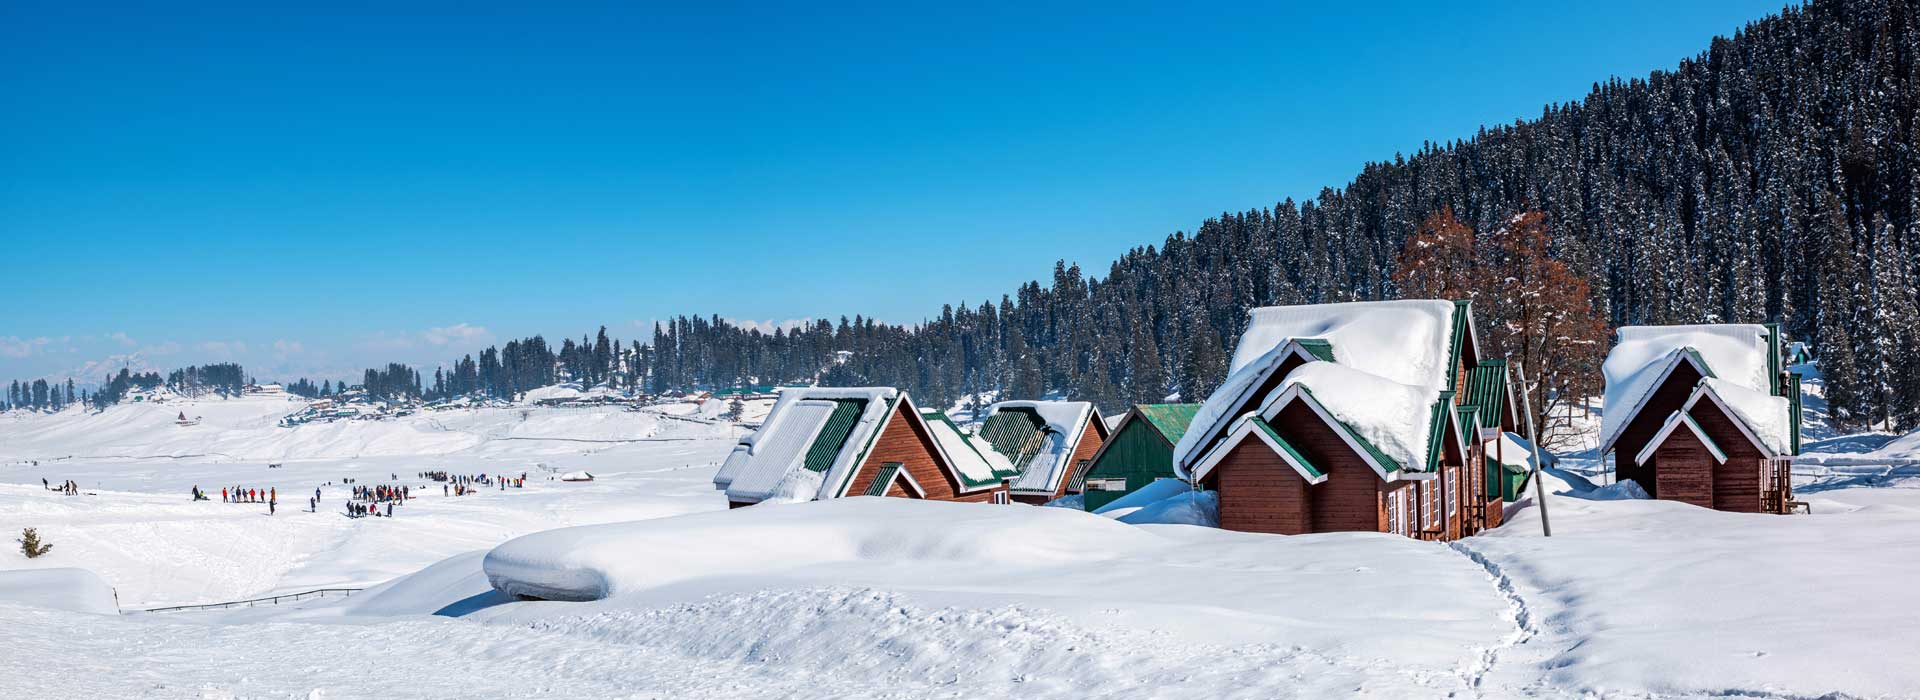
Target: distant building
x=819 y=443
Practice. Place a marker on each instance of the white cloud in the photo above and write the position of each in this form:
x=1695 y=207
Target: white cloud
x=283 y=348
x=123 y=339
x=14 y=346
x=457 y=333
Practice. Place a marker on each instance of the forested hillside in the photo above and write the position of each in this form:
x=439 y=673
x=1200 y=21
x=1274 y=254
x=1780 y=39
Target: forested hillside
x=1773 y=176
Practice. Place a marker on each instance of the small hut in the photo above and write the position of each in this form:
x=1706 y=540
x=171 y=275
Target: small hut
x=1139 y=451
x=1704 y=415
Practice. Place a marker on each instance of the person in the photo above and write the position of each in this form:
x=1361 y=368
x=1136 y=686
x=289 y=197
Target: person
x=271 y=505
x=443 y=490
x=316 y=494
x=223 y=494
x=44 y=485
x=389 y=509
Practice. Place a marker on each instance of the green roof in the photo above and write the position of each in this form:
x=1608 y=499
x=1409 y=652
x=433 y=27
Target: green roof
x=1171 y=419
x=1487 y=389
x=1462 y=318
x=826 y=446
x=1015 y=433
x=883 y=479
x=1291 y=451
x=1317 y=347
x=934 y=414
x=1437 y=429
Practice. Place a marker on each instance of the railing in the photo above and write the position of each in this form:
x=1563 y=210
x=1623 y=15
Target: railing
x=269 y=600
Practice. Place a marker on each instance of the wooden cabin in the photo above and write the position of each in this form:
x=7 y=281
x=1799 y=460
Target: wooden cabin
x=1046 y=442
x=820 y=443
x=1139 y=451
x=1368 y=416
x=1704 y=415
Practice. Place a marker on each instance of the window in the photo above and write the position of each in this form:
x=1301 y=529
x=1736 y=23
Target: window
x=1426 y=505
x=1452 y=496
x=1106 y=484
x=1000 y=498
x=1393 y=512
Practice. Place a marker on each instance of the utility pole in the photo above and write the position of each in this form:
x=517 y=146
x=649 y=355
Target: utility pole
x=1533 y=436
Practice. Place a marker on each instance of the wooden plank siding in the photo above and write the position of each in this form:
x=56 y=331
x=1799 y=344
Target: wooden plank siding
x=1738 y=484
x=1683 y=470
x=1670 y=396
x=1260 y=493
x=1137 y=453
x=905 y=440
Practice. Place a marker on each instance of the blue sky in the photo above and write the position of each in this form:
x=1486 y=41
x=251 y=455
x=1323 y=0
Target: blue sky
x=310 y=190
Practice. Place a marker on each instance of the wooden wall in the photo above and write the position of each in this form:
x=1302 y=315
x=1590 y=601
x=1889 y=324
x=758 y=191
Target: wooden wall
x=906 y=440
x=1260 y=493
x=1666 y=399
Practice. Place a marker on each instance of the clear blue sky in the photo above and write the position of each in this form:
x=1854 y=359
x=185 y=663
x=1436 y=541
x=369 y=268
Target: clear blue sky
x=192 y=182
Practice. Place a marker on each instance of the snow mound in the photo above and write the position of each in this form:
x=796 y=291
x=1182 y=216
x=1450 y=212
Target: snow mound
x=1190 y=508
x=70 y=589
x=1159 y=490
x=1628 y=490
x=598 y=561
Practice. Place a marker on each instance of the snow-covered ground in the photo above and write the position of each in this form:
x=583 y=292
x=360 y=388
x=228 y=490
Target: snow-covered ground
x=890 y=598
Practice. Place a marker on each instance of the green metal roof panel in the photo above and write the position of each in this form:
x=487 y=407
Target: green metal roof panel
x=1171 y=419
x=1437 y=430
x=934 y=414
x=1462 y=315
x=1487 y=389
x=1016 y=434
x=1291 y=451
x=833 y=435
x=1469 y=418
x=1793 y=404
x=1320 y=348
x=883 y=479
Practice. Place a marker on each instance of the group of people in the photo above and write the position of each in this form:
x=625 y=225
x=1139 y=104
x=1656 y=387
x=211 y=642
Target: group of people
x=382 y=492
x=463 y=484
x=240 y=495
x=68 y=487
x=356 y=509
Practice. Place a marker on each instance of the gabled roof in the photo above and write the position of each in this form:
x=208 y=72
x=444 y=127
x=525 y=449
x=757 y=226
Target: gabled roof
x=1758 y=416
x=1171 y=419
x=889 y=473
x=1487 y=388
x=1674 y=421
x=808 y=446
x=1645 y=356
x=1252 y=425
x=1060 y=425
x=1406 y=348
x=975 y=464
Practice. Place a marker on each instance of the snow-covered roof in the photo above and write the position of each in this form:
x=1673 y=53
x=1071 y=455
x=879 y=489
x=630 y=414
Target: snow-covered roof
x=974 y=461
x=1674 y=421
x=772 y=463
x=1065 y=422
x=552 y=393
x=1733 y=352
x=1397 y=350
x=1763 y=417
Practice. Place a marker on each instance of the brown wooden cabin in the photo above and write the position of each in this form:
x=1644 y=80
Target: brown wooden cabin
x=1282 y=463
x=1683 y=440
